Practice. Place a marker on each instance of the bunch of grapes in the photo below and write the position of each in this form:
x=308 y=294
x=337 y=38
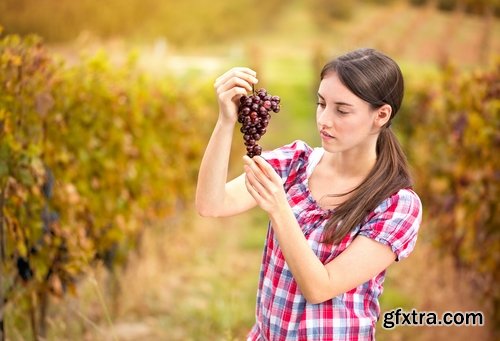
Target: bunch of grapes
x=254 y=115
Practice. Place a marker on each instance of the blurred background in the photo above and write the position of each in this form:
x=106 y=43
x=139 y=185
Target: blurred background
x=106 y=108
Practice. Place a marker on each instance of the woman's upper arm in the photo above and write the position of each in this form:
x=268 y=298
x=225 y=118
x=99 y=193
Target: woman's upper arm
x=388 y=236
x=284 y=160
x=364 y=259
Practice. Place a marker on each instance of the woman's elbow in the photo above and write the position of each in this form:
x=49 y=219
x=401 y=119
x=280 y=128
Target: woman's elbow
x=202 y=210
x=317 y=296
x=204 y=213
x=315 y=299
x=205 y=210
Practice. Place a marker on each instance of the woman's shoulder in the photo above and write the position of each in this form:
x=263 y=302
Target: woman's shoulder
x=299 y=145
x=408 y=195
x=290 y=160
x=404 y=201
x=296 y=149
x=396 y=222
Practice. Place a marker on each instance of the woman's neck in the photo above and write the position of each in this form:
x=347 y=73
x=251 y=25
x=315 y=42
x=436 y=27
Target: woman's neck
x=355 y=163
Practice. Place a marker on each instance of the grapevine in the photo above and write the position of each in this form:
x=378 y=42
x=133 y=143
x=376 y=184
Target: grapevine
x=83 y=150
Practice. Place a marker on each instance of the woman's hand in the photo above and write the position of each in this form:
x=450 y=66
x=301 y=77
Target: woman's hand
x=230 y=87
x=265 y=185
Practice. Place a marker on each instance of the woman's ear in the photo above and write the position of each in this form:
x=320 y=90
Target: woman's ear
x=383 y=115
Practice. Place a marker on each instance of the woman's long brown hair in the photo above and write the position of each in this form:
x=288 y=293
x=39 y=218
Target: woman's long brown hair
x=377 y=79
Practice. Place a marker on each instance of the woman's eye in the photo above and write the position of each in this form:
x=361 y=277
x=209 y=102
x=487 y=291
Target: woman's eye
x=342 y=112
x=320 y=104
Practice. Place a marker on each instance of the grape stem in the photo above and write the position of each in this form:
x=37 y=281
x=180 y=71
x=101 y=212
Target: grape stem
x=253 y=89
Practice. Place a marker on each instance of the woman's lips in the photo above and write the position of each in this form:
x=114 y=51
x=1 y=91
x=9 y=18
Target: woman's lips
x=324 y=134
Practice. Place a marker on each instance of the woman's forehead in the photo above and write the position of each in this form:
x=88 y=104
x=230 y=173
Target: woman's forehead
x=332 y=89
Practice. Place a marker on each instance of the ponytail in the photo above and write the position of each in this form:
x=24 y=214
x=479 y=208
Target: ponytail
x=388 y=176
x=377 y=79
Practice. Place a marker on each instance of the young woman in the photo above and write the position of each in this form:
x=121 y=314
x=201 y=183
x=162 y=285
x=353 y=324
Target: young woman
x=340 y=214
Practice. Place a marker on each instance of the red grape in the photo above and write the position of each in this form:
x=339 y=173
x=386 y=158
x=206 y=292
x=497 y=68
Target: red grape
x=254 y=115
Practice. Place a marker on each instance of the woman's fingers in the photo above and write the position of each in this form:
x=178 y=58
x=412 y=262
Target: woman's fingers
x=267 y=169
x=254 y=182
x=237 y=71
x=232 y=93
x=263 y=170
x=251 y=189
x=233 y=82
x=232 y=71
x=242 y=73
x=230 y=87
x=257 y=171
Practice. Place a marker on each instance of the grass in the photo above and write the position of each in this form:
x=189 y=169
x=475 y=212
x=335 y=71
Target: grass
x=212 y=278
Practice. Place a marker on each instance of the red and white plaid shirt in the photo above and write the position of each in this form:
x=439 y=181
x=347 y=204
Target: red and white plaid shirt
x=282 y=313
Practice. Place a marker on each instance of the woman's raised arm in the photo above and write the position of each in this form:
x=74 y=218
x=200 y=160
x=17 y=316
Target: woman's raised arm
x=215 y=197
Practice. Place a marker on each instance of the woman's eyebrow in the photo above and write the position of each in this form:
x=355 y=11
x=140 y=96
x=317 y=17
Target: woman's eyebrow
x=338 y=103
x=343 y=103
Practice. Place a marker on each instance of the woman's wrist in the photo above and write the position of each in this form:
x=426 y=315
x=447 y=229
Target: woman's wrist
x=282 y=213
x=226 y=121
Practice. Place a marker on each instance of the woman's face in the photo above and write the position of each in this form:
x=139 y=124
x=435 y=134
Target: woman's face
x=345 y=121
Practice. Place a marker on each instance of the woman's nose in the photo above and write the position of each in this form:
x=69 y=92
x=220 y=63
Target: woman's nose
x=324 y=119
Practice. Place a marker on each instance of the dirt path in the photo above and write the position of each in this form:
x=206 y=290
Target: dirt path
x=195 y=282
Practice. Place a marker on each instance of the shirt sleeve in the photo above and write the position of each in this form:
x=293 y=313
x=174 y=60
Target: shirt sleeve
x=289 y=161
x=395 y=222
